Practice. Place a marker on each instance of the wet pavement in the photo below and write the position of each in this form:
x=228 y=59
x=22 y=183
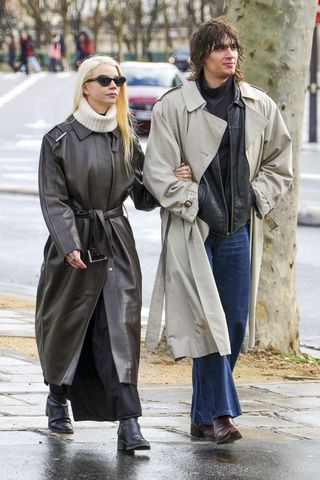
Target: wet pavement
x=280 y=426
x=58 y=460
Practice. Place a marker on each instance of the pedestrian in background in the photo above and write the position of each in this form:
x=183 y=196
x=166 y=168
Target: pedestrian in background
x=63 y=64
x=23 y=58
x=234 y=140
x=89 y=296
x=84 y=48
x=31 y=58
x=54 y=55
x=12 y=51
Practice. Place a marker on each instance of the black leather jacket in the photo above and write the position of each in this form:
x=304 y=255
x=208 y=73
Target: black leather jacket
x=226 y=208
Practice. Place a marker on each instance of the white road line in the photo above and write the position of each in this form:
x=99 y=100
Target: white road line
x=16 y=159
x=31 y=143
x=21 y=88
x=20 y=176
x=19 y=168
x=310 y=176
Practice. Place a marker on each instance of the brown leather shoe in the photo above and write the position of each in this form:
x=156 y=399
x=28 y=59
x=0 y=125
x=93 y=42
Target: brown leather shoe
x=202 y=431
x=225 y=430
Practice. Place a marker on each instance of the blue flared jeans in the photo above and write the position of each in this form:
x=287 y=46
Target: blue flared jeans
x=214 y=393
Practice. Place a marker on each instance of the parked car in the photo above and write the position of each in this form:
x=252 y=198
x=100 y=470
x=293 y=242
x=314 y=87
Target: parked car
x=146 y=82
x=181 y=58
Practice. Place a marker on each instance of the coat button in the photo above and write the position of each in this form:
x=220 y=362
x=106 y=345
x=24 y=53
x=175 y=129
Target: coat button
x=187 y=203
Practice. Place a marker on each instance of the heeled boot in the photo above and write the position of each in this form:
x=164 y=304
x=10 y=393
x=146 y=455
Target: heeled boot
x=58 y=414
x=202 y=431
x=130 y=436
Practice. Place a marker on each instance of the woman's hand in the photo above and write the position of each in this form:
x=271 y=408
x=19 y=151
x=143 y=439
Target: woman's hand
x=183 y=172
x=74 y=260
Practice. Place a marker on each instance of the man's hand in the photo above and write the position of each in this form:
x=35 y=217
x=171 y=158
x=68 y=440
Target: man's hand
x=183 y=172
x=74 y=260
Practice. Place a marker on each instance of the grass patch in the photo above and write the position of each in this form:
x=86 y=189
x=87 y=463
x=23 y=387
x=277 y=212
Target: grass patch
x=302 y=359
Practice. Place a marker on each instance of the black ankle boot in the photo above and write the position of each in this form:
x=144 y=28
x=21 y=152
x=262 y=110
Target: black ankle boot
x=58 y=414
x=130 y=437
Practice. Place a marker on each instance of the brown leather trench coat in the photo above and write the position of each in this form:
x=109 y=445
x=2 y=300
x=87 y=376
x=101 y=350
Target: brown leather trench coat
x=82 y=185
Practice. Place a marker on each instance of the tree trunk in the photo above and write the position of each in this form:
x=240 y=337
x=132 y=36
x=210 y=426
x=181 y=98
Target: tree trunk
x=277 y=38
x=97 y=22
x=166 y=22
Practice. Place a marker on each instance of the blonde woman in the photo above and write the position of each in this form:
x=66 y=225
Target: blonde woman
x=89 y=294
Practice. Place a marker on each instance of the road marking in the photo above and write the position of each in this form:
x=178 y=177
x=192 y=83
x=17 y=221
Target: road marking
x=16 y=91
x=16 y=159
x=310 y=176
x=38 y=124
x=20 y=176
x=32 y=143
x=19 y=168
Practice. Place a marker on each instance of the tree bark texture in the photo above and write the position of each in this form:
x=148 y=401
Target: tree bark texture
x=277 y=36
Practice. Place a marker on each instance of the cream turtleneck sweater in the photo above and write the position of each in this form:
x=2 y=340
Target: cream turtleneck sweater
x=93 y=120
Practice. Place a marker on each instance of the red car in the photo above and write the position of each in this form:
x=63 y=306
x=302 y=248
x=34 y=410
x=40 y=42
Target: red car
x=146 y=82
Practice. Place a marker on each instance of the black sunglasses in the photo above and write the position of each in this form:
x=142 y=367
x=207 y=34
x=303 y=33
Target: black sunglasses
x=105 y=81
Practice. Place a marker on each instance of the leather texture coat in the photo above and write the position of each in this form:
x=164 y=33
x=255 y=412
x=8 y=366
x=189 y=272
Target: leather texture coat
x=83 y=183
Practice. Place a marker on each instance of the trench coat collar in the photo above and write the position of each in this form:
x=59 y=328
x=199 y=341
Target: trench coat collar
x=83 y=132
x=255 y=122
x=192 y=97
x=247 y=91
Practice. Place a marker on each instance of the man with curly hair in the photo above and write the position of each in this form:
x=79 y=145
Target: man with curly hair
x=233 y=139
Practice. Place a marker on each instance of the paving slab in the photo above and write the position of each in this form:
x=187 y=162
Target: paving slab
x=32 y=378
x=6 y=361
x=10 y=400
x=21 y=410
x=21 y=438
x=27 y=369
x=9 y=330
x=260 y=420
x=29 y=398
x=13 y=387
x=311 y=418
x=294 y=389
x=56 y=459
x=22 y=422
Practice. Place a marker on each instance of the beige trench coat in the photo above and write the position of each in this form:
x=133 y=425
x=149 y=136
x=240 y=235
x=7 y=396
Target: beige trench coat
x=183 y=131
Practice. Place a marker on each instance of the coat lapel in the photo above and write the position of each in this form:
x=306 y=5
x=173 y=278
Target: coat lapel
x=204 y=130
x=255 y=122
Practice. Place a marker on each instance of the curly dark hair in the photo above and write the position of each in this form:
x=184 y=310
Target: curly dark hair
x=204 y=39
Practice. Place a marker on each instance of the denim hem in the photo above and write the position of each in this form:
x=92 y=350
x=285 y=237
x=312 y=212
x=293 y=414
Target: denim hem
x=206 y=421
x=227 y=414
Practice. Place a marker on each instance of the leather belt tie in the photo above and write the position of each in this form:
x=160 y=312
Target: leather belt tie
x=98 y=231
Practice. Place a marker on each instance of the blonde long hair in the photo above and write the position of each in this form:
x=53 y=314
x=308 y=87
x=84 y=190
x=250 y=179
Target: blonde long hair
x=123 y=115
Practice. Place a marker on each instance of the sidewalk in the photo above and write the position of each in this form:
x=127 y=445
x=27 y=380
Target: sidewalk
x=280 y=426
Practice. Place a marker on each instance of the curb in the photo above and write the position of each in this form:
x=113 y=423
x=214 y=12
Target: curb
x=309 y=216
x=20 y=191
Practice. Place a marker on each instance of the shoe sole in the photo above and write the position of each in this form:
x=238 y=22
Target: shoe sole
x=124 y=448
x=59 y=431
x=202 y=437
x=232 y=436
x=198 y=434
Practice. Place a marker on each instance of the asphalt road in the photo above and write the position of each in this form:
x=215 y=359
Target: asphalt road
x=28 y=108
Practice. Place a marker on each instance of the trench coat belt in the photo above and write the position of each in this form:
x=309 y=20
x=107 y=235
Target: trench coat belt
x=98 y=231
